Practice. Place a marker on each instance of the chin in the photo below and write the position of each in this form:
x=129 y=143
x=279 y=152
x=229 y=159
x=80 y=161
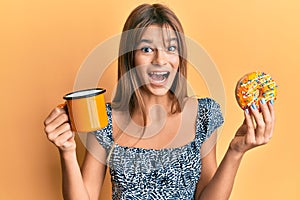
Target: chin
x=157 y=91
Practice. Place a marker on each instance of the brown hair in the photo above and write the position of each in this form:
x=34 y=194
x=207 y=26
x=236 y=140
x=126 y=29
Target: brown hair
x=128 y=95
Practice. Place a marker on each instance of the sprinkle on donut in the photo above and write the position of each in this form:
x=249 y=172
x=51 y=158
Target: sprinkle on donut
x=254 y=86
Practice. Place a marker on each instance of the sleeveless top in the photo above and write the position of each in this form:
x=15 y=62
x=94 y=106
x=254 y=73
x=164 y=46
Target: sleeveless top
x=168 y=173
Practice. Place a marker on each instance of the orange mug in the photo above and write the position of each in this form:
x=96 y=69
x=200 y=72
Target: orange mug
x=87 y=110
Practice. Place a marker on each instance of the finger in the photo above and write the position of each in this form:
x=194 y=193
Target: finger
x=56 y=122
x=250 y=137
x=63 y=138
x=271 y=108
x=272 y=112
x=52 y=136
x=248 y=119
x=54 y=114
x=267 y=119
x=260 y=124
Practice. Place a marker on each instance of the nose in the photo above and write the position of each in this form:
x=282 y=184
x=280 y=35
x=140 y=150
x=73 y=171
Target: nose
x=159 y=57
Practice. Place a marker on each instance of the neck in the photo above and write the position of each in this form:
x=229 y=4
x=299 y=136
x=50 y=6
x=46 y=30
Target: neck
x=150 y=100
x=157 y=108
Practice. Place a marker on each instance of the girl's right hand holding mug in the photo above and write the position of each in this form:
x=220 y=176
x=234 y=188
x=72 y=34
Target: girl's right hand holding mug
x=58 y=130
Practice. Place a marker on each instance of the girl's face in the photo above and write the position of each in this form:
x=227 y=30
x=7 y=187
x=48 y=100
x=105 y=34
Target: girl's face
x=156 y=59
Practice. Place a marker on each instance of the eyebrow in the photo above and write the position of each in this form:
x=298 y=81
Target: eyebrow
x=151 y=41
x=146 y=41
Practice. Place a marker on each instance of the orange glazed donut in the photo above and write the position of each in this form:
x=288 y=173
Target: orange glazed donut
x=254 y=86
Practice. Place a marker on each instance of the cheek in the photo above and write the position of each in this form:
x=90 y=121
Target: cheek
x=175 y=62
x=137 y=59
x=141 y=59
x=141 y=71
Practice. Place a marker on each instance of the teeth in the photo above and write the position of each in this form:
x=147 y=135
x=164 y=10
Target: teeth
x=159 y=73
x=158 y=76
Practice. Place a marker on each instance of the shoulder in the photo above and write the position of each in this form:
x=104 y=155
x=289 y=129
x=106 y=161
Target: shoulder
x=203 y=104
x=205 y=109
x=209 y=117
x=210 y=108
x=207 y=103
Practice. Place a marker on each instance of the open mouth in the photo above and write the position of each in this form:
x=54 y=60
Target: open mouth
x=158 y=77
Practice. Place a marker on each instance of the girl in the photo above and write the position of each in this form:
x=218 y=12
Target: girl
x=159 y=143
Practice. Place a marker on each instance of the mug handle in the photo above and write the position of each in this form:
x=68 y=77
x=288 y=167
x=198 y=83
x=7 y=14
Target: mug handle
x=63 y=106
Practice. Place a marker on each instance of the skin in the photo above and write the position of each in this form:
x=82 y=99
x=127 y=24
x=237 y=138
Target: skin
x=157 y=54
x=216 y=182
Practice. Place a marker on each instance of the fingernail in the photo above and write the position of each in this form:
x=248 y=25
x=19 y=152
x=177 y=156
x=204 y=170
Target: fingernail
x=253 y=106
x=271 y=101
x=246 y=111
x=263 y=101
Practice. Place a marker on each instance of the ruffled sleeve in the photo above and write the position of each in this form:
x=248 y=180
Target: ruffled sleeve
x=209 y=118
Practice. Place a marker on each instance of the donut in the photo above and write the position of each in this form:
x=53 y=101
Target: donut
x=254 y=86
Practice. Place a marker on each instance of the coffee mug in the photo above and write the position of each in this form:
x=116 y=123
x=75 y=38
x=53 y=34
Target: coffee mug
x=87 y=109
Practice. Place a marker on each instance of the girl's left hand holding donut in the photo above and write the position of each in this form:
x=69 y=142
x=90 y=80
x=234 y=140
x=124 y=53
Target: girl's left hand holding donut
x=257 y=128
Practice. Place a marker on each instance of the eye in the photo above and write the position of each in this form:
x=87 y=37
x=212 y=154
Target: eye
x=146 y=49
x=172 y=48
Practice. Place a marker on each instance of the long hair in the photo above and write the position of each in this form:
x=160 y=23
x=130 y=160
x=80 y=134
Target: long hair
x=128 y=95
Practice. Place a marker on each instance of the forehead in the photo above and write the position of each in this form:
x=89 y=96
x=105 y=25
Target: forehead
x=158 y=33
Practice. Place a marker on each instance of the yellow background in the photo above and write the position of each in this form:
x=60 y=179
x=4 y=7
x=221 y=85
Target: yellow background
x=43 y=43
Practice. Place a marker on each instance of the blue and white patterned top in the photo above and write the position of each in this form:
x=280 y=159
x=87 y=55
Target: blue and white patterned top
x=169 y=173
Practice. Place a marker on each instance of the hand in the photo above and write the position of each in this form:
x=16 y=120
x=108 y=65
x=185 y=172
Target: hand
x=257 y=128
x=58 y=130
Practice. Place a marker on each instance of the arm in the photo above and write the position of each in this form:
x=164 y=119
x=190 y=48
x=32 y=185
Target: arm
x=94 y=167
x=85 y=183
x=76 y=185
x=217 y=183
x=256 y=130
x=72 y=182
